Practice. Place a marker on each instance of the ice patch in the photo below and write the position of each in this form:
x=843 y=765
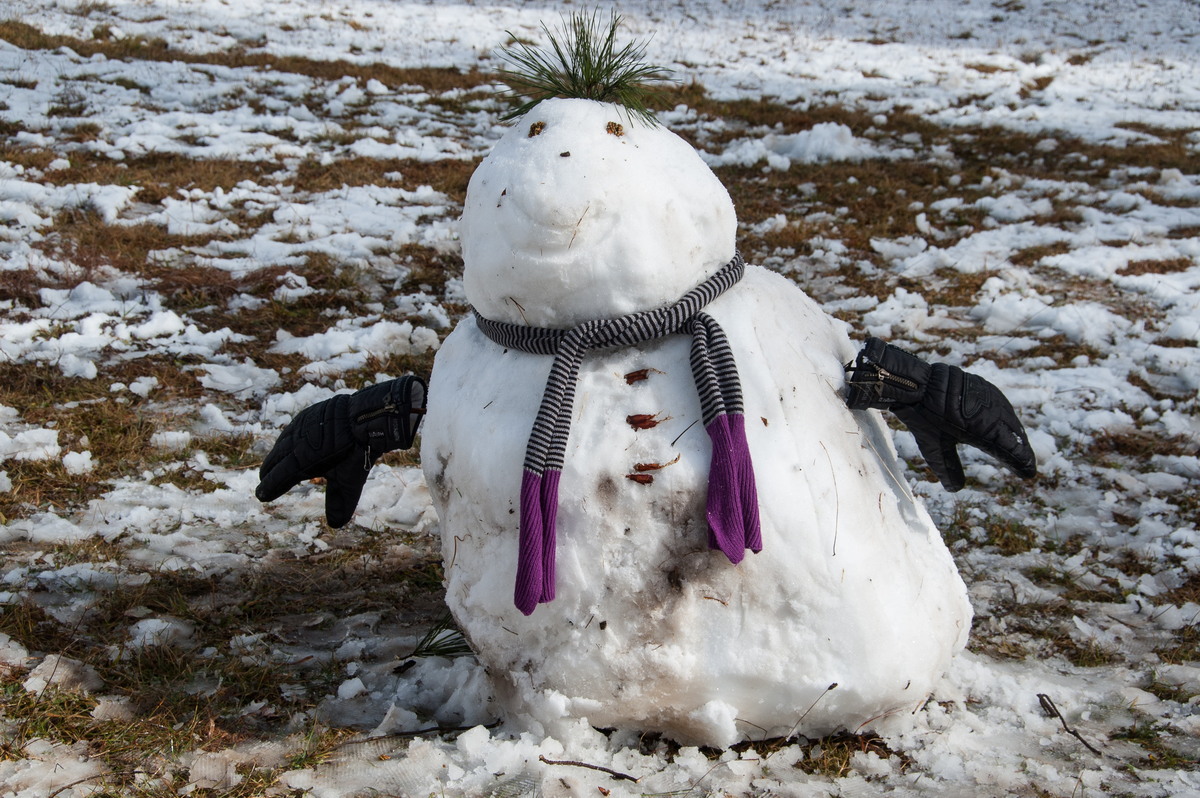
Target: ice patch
x=825 y=142
x=244 y=379
x=31 y=444
x=160 y=631
x=77 y=463
x=63 y=673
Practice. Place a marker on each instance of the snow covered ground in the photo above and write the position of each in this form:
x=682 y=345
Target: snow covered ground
x=213 y=214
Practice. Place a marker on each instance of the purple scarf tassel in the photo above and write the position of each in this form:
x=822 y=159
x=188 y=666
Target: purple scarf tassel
x=732 y=512
x=536 y=546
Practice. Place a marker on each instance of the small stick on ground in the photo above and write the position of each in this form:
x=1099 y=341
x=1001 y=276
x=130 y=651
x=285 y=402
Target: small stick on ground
x=614 y=773
x=72 y=785
x=417 y=733
x=783 y=741
x=1051 y=710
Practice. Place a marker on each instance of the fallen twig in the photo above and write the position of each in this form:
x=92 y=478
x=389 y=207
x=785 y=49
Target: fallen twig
x=1051 y=710
x=788 y=736
x=415 y=733
x=76 y=783
x=614 y=773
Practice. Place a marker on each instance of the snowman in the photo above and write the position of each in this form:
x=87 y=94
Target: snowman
x=664 y=500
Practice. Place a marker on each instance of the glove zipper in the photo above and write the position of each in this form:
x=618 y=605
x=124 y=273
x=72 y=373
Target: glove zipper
x=878 y=377
x=390 y=407
x=896 y=379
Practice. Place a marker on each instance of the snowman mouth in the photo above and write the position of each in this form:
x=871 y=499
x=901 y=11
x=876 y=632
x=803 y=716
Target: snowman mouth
x=732 y=505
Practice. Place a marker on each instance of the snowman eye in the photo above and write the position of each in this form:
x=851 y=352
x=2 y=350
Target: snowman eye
x=537 y=127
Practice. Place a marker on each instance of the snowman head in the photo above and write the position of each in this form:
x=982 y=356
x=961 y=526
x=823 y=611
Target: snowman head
x=588 y=209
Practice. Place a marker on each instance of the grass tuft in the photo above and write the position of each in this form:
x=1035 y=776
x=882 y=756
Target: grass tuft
x=583 y=61
x=1151 y=737
x=830 y=756
x=443 y=639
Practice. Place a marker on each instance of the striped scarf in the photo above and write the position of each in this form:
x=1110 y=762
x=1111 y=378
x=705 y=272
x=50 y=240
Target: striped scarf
x=732 y=505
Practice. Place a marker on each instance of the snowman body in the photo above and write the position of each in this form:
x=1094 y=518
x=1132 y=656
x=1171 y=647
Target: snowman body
x=650 y=629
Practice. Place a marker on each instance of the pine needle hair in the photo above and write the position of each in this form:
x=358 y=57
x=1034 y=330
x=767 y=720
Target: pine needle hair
x=582 y=60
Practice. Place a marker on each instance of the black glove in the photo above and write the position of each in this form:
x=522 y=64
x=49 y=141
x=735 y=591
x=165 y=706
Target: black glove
x=942 y=406
x=340 y=439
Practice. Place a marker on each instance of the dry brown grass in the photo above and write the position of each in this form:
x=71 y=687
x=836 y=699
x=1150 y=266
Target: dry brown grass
x=1058 y=348
x=429 y=267
x=1064 y=289
x=768 y=113
x=1138 y=381
x=1019 y=632
x=28 y=157
x=23 y=285
x=1164 y=266
x=88 y=243
x=336 y=287
x=1186 y=648
x=1017 y=152
x=1031 y=255
x=1140 y=445
x=115 y=427
x=448 y=176
x=192 y=287
x=42 y=485
x=987 y=69
x=85 y=239
x=978 y=149
x=878 y=195
x=1186 y=231
x=1034 y=86
x=87 y=418
x=947 y=288
x=436 y=79
x=157 y=175
x=35 y=387
x=1188 y=592
x=171 y=716
x=1175 y=343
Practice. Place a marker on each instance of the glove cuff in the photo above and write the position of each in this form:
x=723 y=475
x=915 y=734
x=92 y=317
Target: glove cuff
x=385 y=417
x=884 y=377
